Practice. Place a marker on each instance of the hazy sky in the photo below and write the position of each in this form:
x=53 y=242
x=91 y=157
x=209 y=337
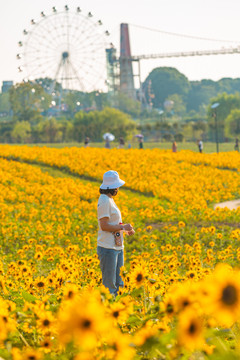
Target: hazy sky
x=212 y=19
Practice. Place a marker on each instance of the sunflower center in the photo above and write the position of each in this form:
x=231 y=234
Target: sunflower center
x=40 y=284
x=229 y=295
x=70 y=294
x=185 y=303
x=86 y=324
x=139 y=278
x=46 y=322
x=169 y=309
x=192 y=328
x=116 y=314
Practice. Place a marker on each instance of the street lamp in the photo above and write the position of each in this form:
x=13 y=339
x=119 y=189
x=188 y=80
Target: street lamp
x=214 y=107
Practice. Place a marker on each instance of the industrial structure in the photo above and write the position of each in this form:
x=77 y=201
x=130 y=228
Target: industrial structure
x=120 y=70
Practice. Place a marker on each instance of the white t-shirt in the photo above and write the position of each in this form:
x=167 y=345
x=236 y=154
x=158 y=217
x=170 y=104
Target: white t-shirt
x=108 y=208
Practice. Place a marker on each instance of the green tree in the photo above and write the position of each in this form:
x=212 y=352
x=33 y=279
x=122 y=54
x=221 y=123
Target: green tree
x=49 y=85
x=179 y=106
x=200 y=93
x=28 y=101
x=228 y=85
x=73 y=100
x=4 y=102
x=76 y=100
x=95 y=123
x=126 y=104
x=66 y=128
x=163 y=82
x=21 y=132
x=49 y=131
x=226 y=104
x=233 y=123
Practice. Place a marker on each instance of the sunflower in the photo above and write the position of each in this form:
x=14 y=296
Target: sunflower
x=168 y=305
x=38 y=255
x=224 y=299
x=119 y=346
x=40 y=283
x=138 y=276
x=118 y=313
x=190 y=330
x=147 y=332
x=45 y=321
x=70 y=291
x=83 y=320
x=32 y=354
x=181 y=224
x=46 y=344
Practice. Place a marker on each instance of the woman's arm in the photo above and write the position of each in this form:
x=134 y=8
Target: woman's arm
x=105 y=226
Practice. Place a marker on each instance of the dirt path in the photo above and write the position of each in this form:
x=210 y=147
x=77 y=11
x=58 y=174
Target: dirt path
x=233 y=204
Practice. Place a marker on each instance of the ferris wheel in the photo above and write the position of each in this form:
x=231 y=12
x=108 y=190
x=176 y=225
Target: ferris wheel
x=67 y=47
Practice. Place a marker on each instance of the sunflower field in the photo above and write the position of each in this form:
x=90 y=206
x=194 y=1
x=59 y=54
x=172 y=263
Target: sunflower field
x=181 y=294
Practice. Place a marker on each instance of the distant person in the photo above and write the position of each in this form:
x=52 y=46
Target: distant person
x=141 y=143
x=86 y=141
x=129 y=145
x=236 y=146
x=200 y=146
x=107 y=143
x=121 y=143
x=174 y=147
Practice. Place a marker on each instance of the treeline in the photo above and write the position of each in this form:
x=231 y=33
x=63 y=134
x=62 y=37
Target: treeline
x=51 y=130
x=166 y=84
x=171 y=107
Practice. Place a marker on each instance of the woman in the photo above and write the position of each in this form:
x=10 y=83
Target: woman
x=110 y=235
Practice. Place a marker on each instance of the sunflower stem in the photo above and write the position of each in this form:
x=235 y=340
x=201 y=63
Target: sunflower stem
x=23 y=339
x=144 y=300
x=222 y=344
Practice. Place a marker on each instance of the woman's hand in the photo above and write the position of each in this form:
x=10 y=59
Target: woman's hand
x=127 y=227
x=132 y=232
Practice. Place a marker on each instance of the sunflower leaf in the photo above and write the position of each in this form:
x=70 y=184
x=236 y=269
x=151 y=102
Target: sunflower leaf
x=134 y=320
x=28 y=297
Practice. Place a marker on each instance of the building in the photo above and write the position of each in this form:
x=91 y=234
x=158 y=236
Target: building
x=6 y=85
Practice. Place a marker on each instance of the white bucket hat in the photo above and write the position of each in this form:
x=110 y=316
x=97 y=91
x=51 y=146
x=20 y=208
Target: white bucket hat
x=111 y=180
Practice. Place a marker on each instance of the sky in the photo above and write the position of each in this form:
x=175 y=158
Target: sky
x=210 y=19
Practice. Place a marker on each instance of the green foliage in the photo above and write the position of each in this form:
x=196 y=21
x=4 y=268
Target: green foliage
x=226 y=104
x=233 y=123
x=127 y=105
x=163 y=82
x=21 y=132
x=95 y=123
x=200 y=94
x=49 y=84
x=179 y=106
x=4 y=102
x=76 y=100
x=28 y=101
x=49 y=130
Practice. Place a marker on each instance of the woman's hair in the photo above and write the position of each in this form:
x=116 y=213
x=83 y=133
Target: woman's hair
x=113 y=192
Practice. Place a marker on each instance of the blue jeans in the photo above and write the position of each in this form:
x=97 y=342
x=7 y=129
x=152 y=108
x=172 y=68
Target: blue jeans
x=110 y=263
